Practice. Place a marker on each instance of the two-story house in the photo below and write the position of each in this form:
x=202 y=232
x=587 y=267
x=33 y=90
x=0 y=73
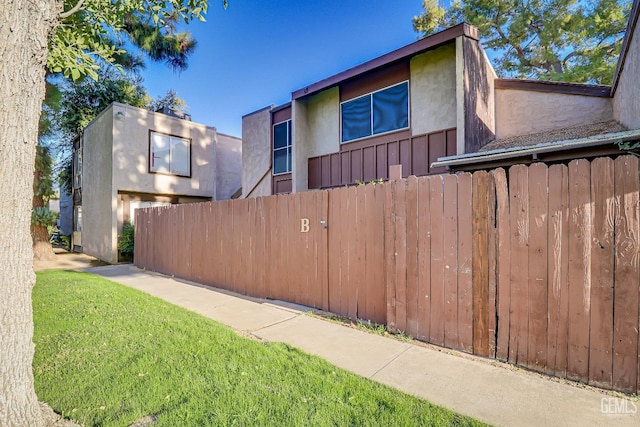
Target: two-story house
x=438 y=97
x=128 y=158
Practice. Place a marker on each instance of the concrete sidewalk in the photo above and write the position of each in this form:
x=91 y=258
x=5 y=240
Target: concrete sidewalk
x=490 y=391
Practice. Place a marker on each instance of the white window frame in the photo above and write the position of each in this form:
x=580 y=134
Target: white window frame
x=288 y=146
x=370 y=95
x=171 y=140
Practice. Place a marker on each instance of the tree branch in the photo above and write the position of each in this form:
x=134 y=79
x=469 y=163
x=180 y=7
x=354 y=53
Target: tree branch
x=73 y=10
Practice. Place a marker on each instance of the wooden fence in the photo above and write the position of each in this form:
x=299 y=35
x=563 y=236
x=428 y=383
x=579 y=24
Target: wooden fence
x=537 y=266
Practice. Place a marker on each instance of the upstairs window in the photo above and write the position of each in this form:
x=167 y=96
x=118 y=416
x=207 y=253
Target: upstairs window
x=375 y=113
x=169 y=154
x=282 y=147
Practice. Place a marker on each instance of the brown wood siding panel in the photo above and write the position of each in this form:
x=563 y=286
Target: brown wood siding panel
x=419 y=158
x=367 y=161
x=382 y=162
x=452 y=143
x=375 y=80
x=281 y=115
x=315 y=172
x=325 y=170
x=356 y=166
x=436 y=149
x=369 y=164
x=625 y=321
x=405 y=157
x=282 y=183
x=335 y=170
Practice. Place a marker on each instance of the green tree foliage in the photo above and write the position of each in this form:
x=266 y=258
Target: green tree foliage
x=562 y=40
x=170 y=100
x=92 y=32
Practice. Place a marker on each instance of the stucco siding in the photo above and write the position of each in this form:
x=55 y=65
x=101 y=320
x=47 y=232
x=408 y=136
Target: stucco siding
x=131 y=153
x=99 y=237
x=256 y=153
x=316 y=131
x=433 y=90
x=228 y=166
x=520 y=112
x=626 y=99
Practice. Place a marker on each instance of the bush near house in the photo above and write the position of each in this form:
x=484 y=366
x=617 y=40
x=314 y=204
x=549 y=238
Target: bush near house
x=126 y=241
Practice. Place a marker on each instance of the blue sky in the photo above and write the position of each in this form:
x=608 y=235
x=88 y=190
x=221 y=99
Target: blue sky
x=257 y=52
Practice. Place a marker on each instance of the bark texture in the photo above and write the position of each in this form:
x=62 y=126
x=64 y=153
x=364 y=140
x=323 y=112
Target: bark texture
x=24 y=29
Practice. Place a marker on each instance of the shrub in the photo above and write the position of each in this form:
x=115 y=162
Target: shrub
x=126 y=240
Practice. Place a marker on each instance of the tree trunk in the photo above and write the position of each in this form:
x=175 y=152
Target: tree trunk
x=24 y=30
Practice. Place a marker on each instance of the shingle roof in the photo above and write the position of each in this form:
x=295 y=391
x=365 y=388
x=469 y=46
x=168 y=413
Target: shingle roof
x=564 y=134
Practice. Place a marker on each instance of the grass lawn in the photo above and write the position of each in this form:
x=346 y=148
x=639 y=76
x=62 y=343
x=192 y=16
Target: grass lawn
x=108 y=355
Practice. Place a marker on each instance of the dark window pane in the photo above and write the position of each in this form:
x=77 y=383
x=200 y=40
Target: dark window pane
x=280 y=161
x=391 y=108
x=356 y=118
x=289 y=159
x=280 y=136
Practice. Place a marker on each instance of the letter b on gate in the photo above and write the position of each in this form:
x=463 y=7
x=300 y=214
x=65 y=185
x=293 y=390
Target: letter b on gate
x=304 y=225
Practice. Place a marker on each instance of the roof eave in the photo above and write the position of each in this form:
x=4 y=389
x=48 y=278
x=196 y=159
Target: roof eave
x=422 y=45
x=547 y=147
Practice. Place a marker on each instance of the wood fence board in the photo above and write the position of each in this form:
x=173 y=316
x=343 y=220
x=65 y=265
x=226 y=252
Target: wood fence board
x=344 y=249
x=603 y=217
x=323 y=250
x=465 y=263
x=493 y=265
x=451 y=261
x=437 y=260
x=390 y=261
x=579 y=261
x=480 y=264
x=271 y=245
x=260 y=267
x=538 y=298
x=360 y=251
x=412 y=238
x=350 y=282
x=503 y=253
x=401 y=255
x=519 y=311
x=424 y=260
x=625 y=343
x=558 y=260
x=379 y=251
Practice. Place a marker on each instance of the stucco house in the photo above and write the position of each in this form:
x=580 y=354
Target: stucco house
x=436 y=98
x=552 y=122
x=129 y=158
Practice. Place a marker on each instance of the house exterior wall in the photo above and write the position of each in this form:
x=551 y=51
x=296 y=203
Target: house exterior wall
x=523 y=112
x=256 y=153
x=478 y=95
x=316 y=131
x=131 y=153
x=228 y=166
x=433 y=90
x=626 y=98
x=99 y=235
